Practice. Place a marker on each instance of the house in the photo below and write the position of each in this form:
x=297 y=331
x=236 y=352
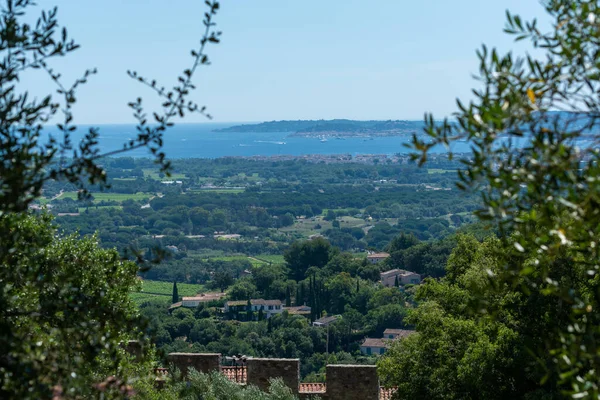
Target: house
x=194 y=301
x=326 y=321
x=374 y=258
x=374 y=346
x=268 y=307
x=298 y=310
x=396 y=333
x=388 y=278
x=245 y=272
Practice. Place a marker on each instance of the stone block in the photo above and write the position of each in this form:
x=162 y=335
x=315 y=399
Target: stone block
x=352 y=382
x=260 y=370
x=201 y=362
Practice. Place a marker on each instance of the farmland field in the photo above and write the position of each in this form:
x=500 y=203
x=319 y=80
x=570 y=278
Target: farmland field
x=166 y=288
x=98 y=197
x=154 y=174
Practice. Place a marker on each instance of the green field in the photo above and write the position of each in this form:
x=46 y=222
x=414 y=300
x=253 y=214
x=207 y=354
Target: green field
x=139 y=298
x=272 y=258
x=83 y=209
x=154 y=174
x=166 y=288
x=219 y=190
x=98 y=197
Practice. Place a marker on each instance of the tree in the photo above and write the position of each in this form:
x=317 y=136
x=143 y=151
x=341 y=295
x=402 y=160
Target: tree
x=65 y=308
x=223 y=280
x=49 y=344
x=541 y=193
x=288 y=297
x=396 y=282
x=261 y=314
x=309 y=253
x=330 y=216
x=175 y=293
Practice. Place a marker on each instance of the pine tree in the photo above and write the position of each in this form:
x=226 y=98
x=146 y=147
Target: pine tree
x=175 y=293
x=297 y=300
x=269 y=325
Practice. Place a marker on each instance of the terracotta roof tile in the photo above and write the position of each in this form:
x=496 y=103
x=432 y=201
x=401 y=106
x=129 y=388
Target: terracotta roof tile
x=235 y=374
x=387 y=393
x=312 y=388
x=375 y=342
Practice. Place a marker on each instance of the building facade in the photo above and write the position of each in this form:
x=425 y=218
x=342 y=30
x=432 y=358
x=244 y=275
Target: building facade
x=268 y=307
x=389 y=278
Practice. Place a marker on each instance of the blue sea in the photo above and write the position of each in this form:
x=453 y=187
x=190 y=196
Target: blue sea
x=200 y=141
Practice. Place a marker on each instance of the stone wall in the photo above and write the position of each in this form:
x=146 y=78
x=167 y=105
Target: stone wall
x=201 y=362
x=260 y=370
x=352 y=382
x=344 y=382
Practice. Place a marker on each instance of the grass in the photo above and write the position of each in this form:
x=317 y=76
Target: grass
x=82 y=209
x=154 y=174
x=98 y=197
x=139 y=298
x=219 y=190
x=272 y=258
x=162 y=288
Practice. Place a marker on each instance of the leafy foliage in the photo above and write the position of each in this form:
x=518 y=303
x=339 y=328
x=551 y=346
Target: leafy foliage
x=213 y=386
x=65 y=310
x=544 y=191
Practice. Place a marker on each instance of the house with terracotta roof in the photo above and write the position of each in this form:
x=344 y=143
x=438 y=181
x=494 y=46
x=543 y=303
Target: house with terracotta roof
x=374 y=258
x=374 y=346
x=389 y=278
x=397 y=333
x=298 y=310
x=380 y=345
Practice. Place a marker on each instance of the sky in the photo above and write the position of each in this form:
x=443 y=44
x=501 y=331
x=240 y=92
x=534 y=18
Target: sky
x=283 y=59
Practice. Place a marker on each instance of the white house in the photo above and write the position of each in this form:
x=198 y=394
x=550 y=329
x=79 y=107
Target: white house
x=269 y=307
x=194 y=301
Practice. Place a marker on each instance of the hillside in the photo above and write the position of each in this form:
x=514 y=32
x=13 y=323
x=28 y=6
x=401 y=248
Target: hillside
x=334 y=127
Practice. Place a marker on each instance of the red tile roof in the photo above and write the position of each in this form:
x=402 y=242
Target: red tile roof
x=375 y=342
x=387 y=393
x=312 y=388
x=235 y=374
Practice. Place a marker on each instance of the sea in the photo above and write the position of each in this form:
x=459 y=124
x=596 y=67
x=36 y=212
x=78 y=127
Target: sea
x=201 y=141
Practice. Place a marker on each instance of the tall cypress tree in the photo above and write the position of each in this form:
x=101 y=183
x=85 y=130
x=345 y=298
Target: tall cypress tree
x=175 y=292
x=397 y=282
x=288 y=297
x=261 y=314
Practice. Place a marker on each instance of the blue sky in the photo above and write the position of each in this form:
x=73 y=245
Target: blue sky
x=285 y=59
